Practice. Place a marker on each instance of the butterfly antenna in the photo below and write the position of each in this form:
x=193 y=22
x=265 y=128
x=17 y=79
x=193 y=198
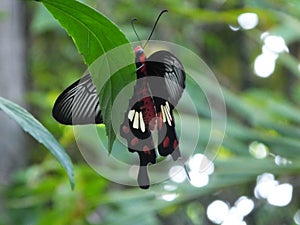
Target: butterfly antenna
x=162 y=12
x=134 y=30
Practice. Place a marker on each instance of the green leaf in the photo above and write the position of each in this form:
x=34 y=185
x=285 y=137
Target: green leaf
x=29 y=124
x=95 y=35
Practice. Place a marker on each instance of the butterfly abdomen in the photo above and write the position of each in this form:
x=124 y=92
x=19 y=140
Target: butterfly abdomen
x=147 y=106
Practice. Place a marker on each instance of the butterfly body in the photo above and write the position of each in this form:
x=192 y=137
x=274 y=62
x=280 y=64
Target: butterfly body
x=151 y=108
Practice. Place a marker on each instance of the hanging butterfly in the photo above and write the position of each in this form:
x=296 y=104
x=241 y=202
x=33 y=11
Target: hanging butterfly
x=159 y=86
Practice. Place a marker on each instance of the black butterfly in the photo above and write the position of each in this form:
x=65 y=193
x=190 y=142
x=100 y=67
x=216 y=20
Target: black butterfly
x=159 y=86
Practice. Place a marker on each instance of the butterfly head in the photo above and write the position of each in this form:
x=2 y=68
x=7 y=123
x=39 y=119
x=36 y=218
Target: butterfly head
x=139 y=54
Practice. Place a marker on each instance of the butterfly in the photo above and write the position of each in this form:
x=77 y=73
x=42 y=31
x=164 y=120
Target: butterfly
x=159 y=86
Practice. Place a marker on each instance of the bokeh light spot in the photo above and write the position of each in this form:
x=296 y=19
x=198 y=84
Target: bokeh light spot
x=281 y=161
x=234 y=28
x=200 y=163
x=248 y=20
x=281 y=195
x=265 y=183
x=169 y=187
x=276 y=44
x=177 y=174
x=233 y=218
x=198 y=179
x=297 y=217
x=217 y=211
x=258 y=150
x=264 y=65
x=244 y=205
x=169 y=197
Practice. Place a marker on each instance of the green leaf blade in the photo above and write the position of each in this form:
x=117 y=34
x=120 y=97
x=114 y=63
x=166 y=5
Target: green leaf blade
x=92 y=32
x=29 y=124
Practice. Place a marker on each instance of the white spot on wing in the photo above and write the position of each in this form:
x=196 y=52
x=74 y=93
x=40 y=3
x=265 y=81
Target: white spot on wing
x=142 y=124
x=167 y=106
x=131 y=114
x=168 y=114
x=136 y=120
x=163 y=113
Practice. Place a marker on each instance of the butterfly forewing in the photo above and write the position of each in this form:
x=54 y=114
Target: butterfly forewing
x=78 y=104
x=167 y=66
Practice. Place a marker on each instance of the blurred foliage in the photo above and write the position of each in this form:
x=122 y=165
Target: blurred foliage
x=259 y=109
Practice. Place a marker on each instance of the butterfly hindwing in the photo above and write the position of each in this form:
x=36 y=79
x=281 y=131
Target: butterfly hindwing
x=138 y=138
x=78 y=104
x=167 y=138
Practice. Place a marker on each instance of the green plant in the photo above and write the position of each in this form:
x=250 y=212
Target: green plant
x=29 y=124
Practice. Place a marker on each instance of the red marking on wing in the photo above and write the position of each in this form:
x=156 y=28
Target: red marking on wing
x=148 y=110
x=159 y=121
x=125 y=129
x=134 y=141
x=146 y=150
x=175 y=144
x=166 y=142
